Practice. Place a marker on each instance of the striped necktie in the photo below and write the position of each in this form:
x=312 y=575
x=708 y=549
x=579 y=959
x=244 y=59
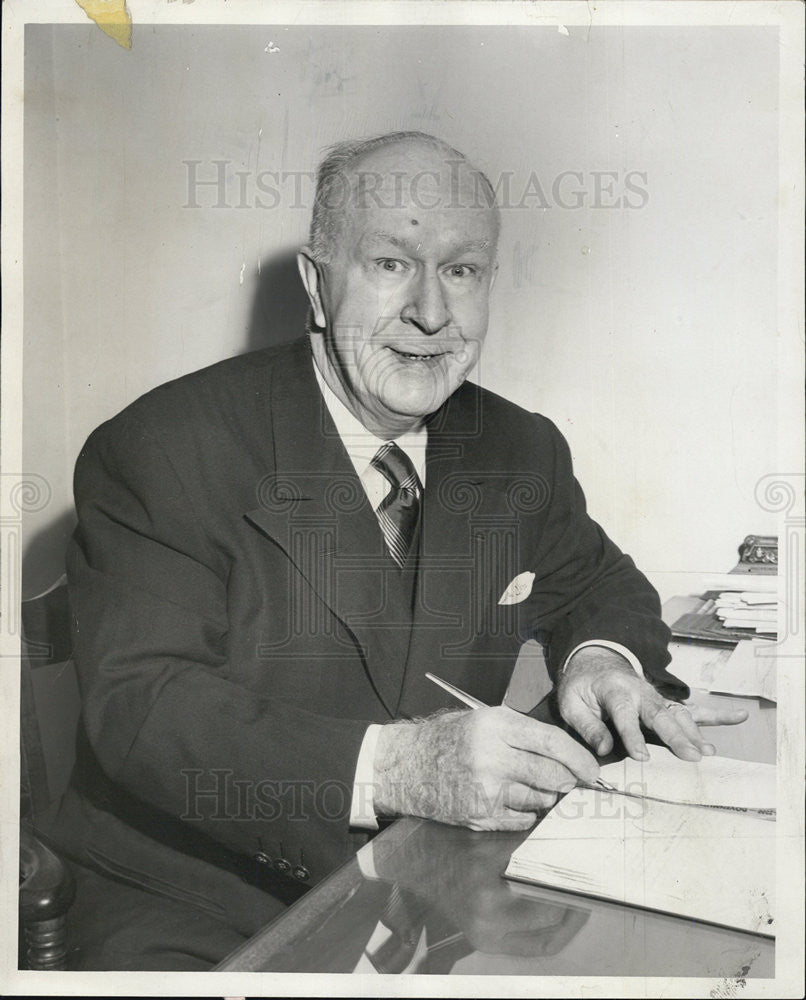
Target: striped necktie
x=399 y=511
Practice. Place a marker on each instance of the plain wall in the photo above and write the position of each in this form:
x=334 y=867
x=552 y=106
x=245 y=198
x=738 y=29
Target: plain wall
x=647 y=333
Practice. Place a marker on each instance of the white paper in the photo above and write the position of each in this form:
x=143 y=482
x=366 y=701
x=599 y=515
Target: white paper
x=712 y=781
x=695 y=664
x=712 y=865
x=750 y=670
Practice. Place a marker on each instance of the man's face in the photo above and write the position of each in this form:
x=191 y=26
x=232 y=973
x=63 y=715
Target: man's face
x=404 y=297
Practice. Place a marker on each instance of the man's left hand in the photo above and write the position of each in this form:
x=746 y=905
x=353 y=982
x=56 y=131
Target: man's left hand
x=599 y=684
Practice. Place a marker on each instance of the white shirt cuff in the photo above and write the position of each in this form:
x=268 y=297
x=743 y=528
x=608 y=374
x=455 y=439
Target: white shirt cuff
x=628 y=655
x=362 y=807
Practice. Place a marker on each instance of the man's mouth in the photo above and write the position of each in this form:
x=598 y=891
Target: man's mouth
x=417 y=356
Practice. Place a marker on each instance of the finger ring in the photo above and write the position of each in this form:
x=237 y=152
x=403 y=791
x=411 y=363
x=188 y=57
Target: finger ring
x=675 y=704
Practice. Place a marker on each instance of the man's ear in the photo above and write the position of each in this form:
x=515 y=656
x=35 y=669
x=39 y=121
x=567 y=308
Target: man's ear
x=494 y=275
x=309 y=272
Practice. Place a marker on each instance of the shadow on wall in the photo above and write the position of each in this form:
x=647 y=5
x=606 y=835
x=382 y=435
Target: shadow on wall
x=278 y=315
x=281 y=306
x=43 y=561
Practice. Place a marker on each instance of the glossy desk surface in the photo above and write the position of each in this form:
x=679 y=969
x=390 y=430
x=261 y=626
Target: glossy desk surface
x=422 y=897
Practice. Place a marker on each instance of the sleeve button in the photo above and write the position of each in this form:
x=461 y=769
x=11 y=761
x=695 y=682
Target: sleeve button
x=301 y=873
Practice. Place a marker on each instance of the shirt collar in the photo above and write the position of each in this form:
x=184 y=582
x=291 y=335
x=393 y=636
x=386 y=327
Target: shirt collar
x=361 y=444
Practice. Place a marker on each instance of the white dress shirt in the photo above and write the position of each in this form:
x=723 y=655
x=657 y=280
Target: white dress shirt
x=362 y=446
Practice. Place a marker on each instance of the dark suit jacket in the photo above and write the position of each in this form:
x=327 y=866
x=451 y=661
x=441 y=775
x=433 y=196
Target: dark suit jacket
x=238 y=622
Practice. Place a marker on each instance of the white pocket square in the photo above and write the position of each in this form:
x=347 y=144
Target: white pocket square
x=519 y=589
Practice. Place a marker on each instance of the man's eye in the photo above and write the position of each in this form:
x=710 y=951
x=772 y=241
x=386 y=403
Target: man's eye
x=461 y=270
x=390 y=265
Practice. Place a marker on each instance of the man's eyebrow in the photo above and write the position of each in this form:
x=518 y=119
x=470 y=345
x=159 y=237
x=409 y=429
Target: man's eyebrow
x=413 y=244
x=381 y=237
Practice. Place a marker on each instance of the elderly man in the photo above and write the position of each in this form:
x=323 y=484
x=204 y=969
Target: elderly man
x=272 y=553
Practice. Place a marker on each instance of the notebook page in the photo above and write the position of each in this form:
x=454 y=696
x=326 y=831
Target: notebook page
x=701 y=863
x=712 y=781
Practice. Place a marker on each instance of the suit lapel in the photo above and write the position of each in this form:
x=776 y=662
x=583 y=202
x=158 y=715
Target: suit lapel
x=314 y=507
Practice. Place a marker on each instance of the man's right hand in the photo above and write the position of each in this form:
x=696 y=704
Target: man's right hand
x=488 y=769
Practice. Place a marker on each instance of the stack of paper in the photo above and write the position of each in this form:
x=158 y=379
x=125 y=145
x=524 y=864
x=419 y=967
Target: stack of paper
x=714 y=861
x=748 y=610
x=749 y=602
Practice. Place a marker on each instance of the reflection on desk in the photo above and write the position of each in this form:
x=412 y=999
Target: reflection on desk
x=422 y=897
x=436 y=903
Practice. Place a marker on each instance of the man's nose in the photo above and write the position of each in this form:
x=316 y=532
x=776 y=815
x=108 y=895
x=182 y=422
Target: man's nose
x=426 y=307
